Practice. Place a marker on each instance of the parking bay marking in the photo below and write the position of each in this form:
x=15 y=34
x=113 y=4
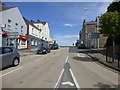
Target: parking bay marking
x=11 y=71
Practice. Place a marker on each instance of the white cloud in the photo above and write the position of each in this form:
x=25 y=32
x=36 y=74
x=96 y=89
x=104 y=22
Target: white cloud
x=70 y=25
x=67 y=36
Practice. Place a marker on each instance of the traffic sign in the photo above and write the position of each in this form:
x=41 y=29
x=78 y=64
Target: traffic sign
x=93 y=35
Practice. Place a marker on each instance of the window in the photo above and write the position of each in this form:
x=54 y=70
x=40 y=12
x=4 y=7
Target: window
x=21 y=29
x=8 y=26
x=9 y=21
x=16 y=24
x=7 y=50
x=32 y=31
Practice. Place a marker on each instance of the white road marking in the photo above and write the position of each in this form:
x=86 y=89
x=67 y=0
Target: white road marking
x=40 y=58
x=58 y=82
x=74 y=79
x=80 y=55
x=68 y=83
x=66 y=60
x=11 y=71
x=55 y=55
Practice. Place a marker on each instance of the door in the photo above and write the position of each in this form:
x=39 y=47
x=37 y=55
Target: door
x=7 y=56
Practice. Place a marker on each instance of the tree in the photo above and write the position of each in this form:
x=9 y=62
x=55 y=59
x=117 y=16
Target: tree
x=109 y=23
x=115 y=6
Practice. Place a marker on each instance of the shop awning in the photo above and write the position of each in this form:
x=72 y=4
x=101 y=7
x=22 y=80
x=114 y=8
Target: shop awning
x=5 y=33
x=23 y=37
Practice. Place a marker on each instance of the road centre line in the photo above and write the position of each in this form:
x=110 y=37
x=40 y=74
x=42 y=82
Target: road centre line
x=66 y=60
x=58 y=82
x=11 y=71
x=74 y=79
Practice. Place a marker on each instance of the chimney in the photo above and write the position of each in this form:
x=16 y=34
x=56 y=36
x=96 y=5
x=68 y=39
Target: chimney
x=38 y=21
x=32 y=21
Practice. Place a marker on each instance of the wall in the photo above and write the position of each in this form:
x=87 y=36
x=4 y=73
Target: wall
x=15 y=16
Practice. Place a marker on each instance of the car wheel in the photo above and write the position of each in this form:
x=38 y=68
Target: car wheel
x=15 y=62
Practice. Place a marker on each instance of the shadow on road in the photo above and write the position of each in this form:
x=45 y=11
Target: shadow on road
x=106 y=86
x=73 y=50
x=86 y=59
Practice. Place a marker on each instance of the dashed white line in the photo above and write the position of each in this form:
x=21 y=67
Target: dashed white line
x=11 y=71
x=66 y=60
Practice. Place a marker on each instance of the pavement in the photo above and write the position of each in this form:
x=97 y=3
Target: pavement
x=61 y=68
x=27 y=52
x=99 y=55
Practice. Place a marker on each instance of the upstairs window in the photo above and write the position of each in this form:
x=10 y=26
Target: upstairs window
x=9 y=21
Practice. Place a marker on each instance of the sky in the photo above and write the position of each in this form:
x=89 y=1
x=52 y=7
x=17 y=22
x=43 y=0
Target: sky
x=65 y=18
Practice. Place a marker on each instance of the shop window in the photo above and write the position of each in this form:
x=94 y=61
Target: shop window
x=32 y=42
x=35 y=42
x=23 y=42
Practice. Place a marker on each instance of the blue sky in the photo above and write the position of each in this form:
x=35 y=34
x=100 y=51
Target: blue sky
x=65 y=18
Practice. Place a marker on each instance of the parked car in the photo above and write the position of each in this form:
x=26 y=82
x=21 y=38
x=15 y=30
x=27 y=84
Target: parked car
x=9 y=56
x=55 y=46
x=81 y=46
x=43 y=50
x=48 y=49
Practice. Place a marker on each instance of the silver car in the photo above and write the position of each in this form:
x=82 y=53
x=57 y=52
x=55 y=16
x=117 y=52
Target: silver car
x=9 y=56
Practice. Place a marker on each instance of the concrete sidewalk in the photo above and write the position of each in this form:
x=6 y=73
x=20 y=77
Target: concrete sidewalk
x=99 y=55
x=27 y=52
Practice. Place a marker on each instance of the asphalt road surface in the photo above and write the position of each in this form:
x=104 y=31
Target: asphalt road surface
x=62 y=68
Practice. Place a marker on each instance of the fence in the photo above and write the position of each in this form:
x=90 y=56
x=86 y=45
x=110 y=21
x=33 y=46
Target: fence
x=113 y=56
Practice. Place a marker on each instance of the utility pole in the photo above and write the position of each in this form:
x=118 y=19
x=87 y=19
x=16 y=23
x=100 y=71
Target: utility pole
x=97 y=26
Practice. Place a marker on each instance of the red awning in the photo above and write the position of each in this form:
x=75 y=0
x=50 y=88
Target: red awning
x=5 y=33
x=23 y=37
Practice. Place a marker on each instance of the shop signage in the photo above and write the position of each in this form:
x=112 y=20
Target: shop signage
x=23 y=37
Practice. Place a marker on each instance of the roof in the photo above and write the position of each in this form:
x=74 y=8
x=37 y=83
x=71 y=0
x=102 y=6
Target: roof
x=40 y=22
x=29 y=23
x=5 y=8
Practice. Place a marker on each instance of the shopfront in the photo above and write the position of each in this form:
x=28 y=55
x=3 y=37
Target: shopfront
x=22 y=42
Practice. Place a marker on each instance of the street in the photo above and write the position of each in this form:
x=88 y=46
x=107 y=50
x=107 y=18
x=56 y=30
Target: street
x=61 y=68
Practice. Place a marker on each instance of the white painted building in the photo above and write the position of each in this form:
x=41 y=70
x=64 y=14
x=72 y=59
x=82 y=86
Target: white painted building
x=15 y=30
x=44 y=28
x=33 y=34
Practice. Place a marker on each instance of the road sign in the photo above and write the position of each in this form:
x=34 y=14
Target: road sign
x=93 y=35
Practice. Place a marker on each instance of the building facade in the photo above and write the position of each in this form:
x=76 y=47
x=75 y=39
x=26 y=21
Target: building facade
x=14 y=30
x=89 y=42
